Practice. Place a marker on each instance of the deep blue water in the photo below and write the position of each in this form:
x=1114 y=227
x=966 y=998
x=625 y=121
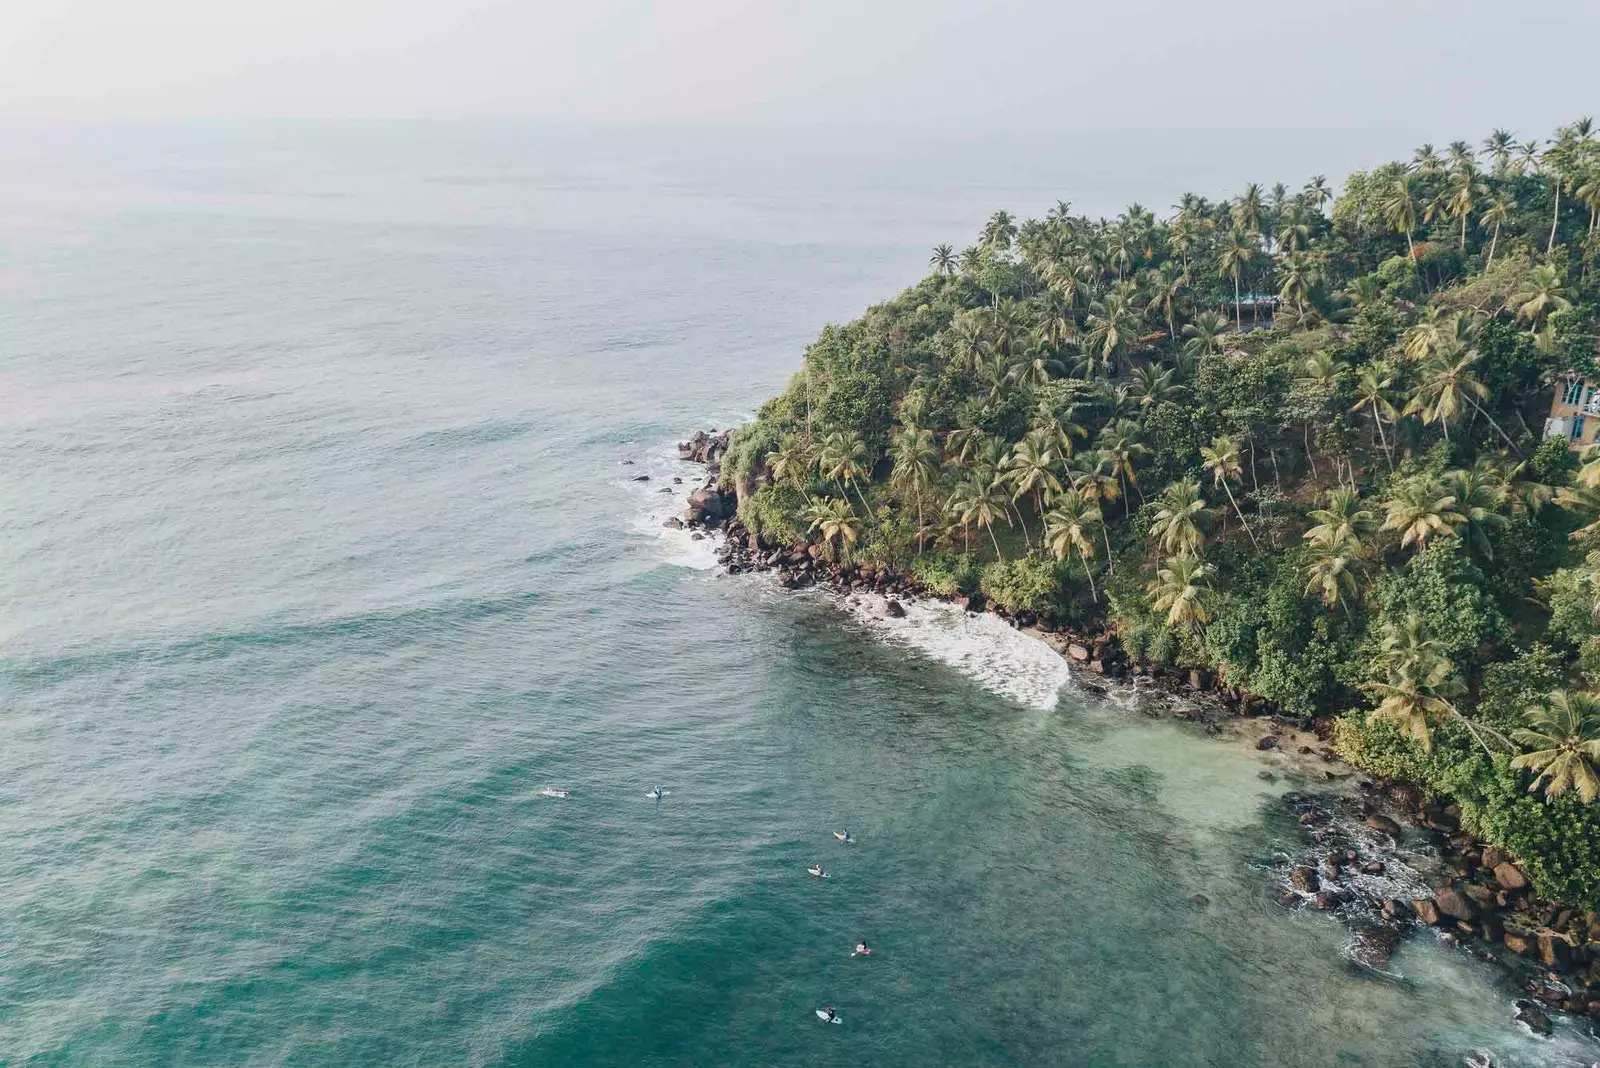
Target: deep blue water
x=320 y=557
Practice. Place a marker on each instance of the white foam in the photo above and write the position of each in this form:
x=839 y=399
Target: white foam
x=982 y=646
x=674 y=545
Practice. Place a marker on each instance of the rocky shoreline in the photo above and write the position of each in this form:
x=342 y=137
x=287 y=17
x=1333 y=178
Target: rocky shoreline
x=1472 y=894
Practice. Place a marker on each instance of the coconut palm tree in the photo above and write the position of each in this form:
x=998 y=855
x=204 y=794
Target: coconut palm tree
x=1447 y=387
x=1399 y=211
x=1341 y=519
x=1373 y=384
x=967 y=341
x=979 y=501
x=1541 y=295
x=1320 y=377
x=1248 y=210
x=1221 y=458
x=1420 y=509
x=1426 y=161
x=1316 y=192
x=1151 y=384
x=1120 y=446
x=1112 y=326
x=835 y=521
x=1030 y=470
x=1182 y=589
x=1494 y=216
x=1415 y=681
x=1000 y=231
x=1170 y=284
x=1459 y=203
x=1478 y=500
x=1181 y=514
x=1564 y=736
x=1498 y=146
x=1331 y=567
x=1035 y=367
x=844 y=460
x=1204 y=334
x=1069 y=527
x=1232 y=257
x=943 y=260
x=792 y=462
x=916 y=465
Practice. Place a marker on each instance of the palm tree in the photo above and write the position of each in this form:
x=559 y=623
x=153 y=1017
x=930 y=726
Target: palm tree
x=792 y=462
x=1152 y=383
x=1182 y=590
x=1478 y=499
x=1342 y=519
x=978 y=500
x=1541 y=295
x=943 y=260
x=1247 y=210
x=1460 y=202
x=1204 y=334
x=1316 y=191
x=1426 y=161
x=1322 y=372
x=1170 y=284
x=1399 y=210
x=916 y=465
x=968 y=341
x=1112 y=325
x=1420 y=509
x=1415 y=680
x=1331 y=567
x=1030 y=469
x=1564 y=734
x=1231 y=260
x=1373 y=383
x=1119 y=447
x=1498 y=146
x=999 y=231
x=833 y=518
x=1221 y=458
x=844 y=460
x=1068 y=528
x=1495 y=215
x=1446 y=387
x=1180 y=514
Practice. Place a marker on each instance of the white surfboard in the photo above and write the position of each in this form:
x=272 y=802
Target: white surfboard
x=824 y=1017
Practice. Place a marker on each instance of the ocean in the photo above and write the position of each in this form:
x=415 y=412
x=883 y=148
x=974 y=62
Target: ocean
x=323 y=553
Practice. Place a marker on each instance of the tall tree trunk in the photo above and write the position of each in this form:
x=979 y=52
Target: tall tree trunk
x=1238 y=304
x=1229 y=490
x=1085 y=561
x=1503 y=436
x=1463 y=233
x=1555 y=217
x=1377 y=419
x=994 y=540
x=1493 y=241
x=1411 y=248
x=1111 y=565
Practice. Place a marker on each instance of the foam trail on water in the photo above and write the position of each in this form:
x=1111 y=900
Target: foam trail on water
x=983 y=646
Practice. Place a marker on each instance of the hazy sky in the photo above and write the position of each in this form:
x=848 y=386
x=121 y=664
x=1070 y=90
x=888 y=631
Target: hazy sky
x=1446 y=68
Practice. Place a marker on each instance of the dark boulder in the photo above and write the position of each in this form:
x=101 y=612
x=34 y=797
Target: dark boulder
x=1078 y=653
x=1304 y=879
x=1427 y=912
x=641 y=478
x=675 y=523
x=1509 y=876
x=1384 y=824
x=894 y=609
x=1530 y=1016
x=1267 y=741
x=1454 y=904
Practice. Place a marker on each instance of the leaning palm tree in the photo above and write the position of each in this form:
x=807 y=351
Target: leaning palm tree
x=916 y=465
x=1495 y=216
x=978 y=501
x=1419 y=510
x=1181 y=514
x=1373 y=383
x=1221 y=458
x=835 y=521
x=1068 y=528
x=1564 y=737
x=1414 y=680
x=1331 y=567
x=943 y=260
x=1182 y=590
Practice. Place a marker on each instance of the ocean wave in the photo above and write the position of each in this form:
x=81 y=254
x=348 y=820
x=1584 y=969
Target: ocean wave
x=981 y=646
x=660 y=499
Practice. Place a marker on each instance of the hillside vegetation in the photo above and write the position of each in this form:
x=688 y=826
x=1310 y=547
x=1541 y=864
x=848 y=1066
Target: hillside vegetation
x=1292 y=437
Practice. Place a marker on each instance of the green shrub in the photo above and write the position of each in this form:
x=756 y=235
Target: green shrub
x=946 y=574
x=1027 y=584
x=773 y=513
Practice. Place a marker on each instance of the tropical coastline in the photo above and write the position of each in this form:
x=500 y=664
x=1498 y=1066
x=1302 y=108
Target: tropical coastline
x=1317 y=462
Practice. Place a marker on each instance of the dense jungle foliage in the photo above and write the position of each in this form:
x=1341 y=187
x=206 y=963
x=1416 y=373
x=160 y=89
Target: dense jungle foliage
x=1294 y=437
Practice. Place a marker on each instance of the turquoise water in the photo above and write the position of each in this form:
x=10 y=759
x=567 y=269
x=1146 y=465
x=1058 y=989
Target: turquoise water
x=321 y=558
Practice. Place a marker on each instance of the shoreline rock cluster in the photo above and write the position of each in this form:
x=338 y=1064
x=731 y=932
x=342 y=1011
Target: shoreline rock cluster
x=1480 y=897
